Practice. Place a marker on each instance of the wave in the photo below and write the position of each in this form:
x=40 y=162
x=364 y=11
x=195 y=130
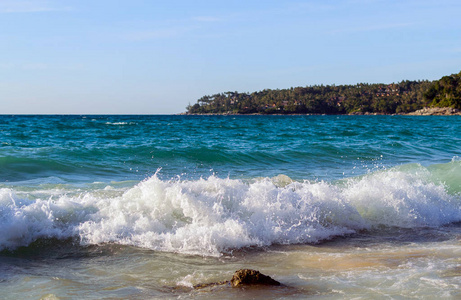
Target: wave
x=213 y=216
x=120 y=123
x=22 y=168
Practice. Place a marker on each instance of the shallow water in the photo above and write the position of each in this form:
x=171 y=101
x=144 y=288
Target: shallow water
x=394 y=264
x=129 y=207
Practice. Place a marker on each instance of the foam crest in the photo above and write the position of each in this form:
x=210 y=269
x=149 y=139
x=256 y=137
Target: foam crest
x=404 y=197
x=22 y=220
x=214 y=216
x=120 y=123
x=217 y=215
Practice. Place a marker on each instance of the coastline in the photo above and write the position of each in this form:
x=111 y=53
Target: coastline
x=426 y=111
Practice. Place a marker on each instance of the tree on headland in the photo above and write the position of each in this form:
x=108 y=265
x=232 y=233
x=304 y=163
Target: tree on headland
x=445 y=92
x=403 y=97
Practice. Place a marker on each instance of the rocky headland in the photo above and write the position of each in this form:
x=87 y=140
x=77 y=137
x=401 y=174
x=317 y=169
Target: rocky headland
x=436 y=111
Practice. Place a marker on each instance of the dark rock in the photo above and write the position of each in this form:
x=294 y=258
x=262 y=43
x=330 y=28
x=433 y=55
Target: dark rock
x=251 y=277
x=243 y=277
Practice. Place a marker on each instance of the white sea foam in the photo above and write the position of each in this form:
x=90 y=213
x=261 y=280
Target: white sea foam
x=214 y=216
x=120 y=123
x=407 y=198
x=22 y=220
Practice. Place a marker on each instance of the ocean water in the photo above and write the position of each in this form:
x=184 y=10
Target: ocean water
x=146 y=207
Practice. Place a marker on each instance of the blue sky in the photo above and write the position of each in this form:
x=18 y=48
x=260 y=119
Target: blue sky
x=155 y=57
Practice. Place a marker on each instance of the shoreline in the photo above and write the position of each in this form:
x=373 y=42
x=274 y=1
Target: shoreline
x=427 y=111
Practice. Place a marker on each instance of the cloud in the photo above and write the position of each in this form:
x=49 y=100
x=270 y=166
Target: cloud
x=311 y=7
x=155 y=34
x=179 y=28
x=454 y=50
x=31 y=6
x=40 y=66
x=35 y=66
x=369 y=28
x=206 y=19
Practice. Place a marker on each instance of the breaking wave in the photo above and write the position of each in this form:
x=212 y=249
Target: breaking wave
x=213 y=216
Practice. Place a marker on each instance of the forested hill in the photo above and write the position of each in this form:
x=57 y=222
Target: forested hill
x=362 y=98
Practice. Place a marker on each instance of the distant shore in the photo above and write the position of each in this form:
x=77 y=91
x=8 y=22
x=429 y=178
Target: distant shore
x=415 y=98
x=427 y=111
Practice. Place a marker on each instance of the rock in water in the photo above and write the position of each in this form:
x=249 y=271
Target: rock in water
x=251 y=277
x=243 y=277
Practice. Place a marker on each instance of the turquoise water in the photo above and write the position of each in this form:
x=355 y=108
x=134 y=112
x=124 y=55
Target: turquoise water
x=147 y=206
x=103 y=148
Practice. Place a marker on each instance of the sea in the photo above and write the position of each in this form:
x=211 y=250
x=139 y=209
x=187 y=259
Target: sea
x=147 y=207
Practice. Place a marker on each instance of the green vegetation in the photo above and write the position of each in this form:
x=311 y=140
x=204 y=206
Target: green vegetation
x=362 y=98
x=445 y=92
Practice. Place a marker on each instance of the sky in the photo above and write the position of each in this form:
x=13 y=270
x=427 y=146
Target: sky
x=156 y=57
